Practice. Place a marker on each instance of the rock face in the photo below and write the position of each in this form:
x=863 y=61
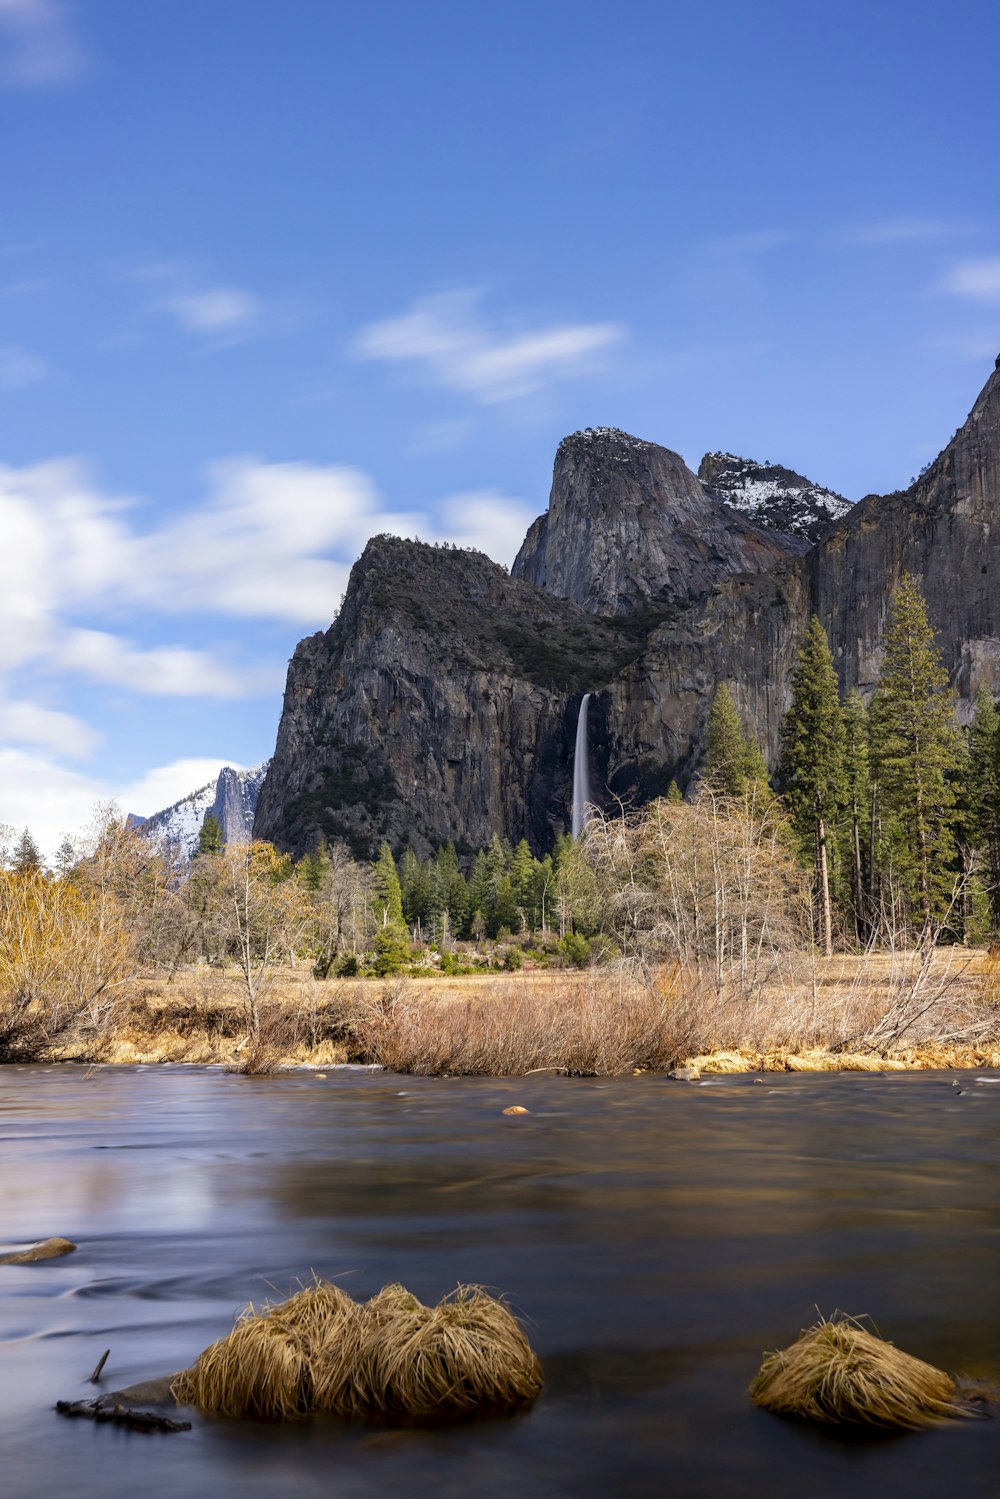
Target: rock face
x=231 y=798
x=772 y=496
x=630 y=526
x=442 y=703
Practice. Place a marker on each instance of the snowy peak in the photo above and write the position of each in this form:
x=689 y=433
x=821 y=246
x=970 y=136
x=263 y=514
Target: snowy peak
x=231 y=799
x=771 y=495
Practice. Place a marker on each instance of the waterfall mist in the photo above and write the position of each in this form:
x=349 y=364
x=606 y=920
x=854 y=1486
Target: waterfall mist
x=581 y=772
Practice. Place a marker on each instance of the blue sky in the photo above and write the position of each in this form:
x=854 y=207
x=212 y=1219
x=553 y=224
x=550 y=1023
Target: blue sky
x=277 y=276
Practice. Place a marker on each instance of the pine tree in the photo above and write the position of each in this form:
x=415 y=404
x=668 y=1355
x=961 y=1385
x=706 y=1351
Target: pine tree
x=674 y=793
x=414 y=886
x=732 y=760
x=857 y=788
x=26 y=855
x=983 y=795
x=388 y=898
x=812 y=762
x=210 y=836
x=915 y=753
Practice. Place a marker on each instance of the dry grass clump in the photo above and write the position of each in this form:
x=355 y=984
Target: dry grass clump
x=391 y=1358
x=403 y=1360
x=263 y=1368
x=838 y=1371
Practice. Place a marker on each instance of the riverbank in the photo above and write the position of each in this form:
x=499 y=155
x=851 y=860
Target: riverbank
x=850 y=1013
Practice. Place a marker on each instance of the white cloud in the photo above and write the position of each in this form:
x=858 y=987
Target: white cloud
x=978 y=280
x=217 y=309
x=53 y=801
x=46 y=728
x=446 y=335
x=19 y=367
x=166 y=671
x=37 y=44
x=487 y=520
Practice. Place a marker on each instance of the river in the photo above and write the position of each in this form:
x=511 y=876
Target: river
x=656 y=1236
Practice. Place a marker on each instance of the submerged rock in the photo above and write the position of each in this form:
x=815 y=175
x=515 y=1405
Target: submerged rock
x=46 y=1249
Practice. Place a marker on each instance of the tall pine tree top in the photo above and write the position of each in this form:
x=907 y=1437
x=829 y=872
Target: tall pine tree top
x=812 y=737
x=915 y=749
x=731 y=760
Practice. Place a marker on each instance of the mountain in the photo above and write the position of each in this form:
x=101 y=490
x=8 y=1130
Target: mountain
x=442 y=702
x=772 y=496
x=231 y=798
x=629 y=525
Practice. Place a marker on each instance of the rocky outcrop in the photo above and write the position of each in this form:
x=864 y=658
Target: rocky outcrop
x=231 y=798
x=442 y=703
x=439 y=706
x=629 y=526
x=772 y=496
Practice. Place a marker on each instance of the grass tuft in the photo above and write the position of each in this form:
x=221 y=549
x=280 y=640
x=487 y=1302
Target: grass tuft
x=391 y=1358
x=840 y=1372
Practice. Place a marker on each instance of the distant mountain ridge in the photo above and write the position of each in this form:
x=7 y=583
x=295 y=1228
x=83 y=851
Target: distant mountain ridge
x=771 y=495
x=443 y=703
x=231 y=798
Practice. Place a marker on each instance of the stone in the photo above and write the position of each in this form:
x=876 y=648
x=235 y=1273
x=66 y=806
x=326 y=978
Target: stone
x=515 y=1108
x=46 y=1249
x=685 y=1074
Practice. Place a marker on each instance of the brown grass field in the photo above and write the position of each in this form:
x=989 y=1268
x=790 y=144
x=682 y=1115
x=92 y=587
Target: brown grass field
x=868 y=1012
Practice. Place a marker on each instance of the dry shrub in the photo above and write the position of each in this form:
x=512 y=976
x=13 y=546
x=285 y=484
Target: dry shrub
x=263 y=1368
x=403 y=1360
x=838 y=1371
x=588 y=1025
x=392 y=1358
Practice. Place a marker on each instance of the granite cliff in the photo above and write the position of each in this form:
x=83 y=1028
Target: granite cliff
x=442 y=702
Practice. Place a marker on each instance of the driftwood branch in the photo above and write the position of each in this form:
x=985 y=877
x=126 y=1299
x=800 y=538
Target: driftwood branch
x=120 y=1415
x=100 y=1365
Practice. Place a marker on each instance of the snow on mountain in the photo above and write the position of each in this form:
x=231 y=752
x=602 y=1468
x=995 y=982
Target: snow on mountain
x=772 y=496
x=231 y=798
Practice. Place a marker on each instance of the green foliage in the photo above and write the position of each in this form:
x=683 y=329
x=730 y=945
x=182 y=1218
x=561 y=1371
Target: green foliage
x=856 y=826
x=915 y=752
x=811 y=771
x=575 y=949
x=388 y=899
x=983 y=796
x=210 y=836
x=392 y=950
x=674 y=793
x=731 y=760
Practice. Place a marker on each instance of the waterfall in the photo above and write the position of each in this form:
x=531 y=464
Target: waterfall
x=581 y=774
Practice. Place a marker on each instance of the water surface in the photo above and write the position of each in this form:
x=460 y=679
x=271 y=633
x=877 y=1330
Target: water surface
x=656 y=1236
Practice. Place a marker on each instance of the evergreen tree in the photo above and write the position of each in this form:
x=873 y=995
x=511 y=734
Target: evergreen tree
x=26 y=855
x=210 y=836
x=915 y=752
x=67 y=856
x=983 y=795
x=812 y=762
x=674 y=794
x=388 y=898
x=731 y=760
x=414 y=886
x=857 y=791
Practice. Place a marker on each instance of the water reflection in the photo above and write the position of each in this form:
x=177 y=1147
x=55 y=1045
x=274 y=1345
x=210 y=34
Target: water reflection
x=656 y=1236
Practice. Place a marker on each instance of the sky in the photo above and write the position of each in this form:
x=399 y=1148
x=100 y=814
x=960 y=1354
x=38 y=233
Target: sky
x=279 y=275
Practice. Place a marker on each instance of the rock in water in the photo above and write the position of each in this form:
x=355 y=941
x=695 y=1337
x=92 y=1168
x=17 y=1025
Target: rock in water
x=46 y=1249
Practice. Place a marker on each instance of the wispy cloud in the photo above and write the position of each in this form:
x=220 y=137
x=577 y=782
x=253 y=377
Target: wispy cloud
x=217 y=309
x=446 y=336
x=976 y=280
x=38 y=45
x=750 y=242
x=19 y=367
x=215 y=313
